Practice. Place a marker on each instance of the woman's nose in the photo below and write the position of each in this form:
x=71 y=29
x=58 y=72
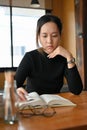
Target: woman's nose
x=49 y=39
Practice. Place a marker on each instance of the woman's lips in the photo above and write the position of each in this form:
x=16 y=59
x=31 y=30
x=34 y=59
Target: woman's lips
x=49 y=47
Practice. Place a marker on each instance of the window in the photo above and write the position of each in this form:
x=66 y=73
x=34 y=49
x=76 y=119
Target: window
x=17 y=34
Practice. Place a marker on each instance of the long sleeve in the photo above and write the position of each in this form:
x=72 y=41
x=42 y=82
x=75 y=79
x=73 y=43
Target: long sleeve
x=74 y=80
x=23 y=70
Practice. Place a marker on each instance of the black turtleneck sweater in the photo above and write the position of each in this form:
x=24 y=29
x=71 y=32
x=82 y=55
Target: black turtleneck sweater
x=46 y=75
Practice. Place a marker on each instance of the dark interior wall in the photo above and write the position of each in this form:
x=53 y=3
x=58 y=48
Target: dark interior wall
x=85 y=38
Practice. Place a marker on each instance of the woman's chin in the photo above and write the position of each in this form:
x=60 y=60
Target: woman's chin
x=48 y=51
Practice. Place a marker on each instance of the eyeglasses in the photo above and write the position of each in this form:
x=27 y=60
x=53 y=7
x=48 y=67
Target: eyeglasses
x=33 y=111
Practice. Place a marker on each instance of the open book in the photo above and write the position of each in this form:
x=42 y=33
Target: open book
x=52 y=100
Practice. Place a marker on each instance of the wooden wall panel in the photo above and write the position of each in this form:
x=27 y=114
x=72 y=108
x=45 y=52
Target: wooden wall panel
x=65 y=10
x=2 y=80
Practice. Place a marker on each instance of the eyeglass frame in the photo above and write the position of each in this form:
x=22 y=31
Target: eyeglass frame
x=37 y=111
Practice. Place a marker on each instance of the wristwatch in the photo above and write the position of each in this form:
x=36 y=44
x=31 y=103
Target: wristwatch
x=71 y=61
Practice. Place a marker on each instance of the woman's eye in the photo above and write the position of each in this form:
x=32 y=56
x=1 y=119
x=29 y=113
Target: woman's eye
x=44 y=36
x=54 y=35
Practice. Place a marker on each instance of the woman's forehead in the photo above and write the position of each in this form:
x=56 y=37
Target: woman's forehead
x=49 y=27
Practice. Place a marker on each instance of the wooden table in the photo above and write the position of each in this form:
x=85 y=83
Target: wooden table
x=65 y=118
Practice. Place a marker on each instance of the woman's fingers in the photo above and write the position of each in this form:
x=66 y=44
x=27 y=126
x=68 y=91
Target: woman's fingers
x=21 y=93
x=60 y=51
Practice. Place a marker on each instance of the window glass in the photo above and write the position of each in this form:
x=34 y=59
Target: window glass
x=24 y=31
x=5 y=37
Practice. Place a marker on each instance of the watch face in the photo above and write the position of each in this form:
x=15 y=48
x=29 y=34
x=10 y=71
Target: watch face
x=71 y=61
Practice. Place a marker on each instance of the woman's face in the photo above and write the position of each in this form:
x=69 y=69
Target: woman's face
x=49 y=37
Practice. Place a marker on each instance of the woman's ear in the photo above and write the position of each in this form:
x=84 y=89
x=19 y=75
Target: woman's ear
x=38 y=37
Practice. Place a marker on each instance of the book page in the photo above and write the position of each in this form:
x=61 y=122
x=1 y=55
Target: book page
x=33 y=99
x=56 y=100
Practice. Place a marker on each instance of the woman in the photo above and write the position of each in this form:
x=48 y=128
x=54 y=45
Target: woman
x=45 y=68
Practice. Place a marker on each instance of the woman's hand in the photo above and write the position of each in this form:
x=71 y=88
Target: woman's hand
x=60 y=51
x=21 y=93
x=63 y=52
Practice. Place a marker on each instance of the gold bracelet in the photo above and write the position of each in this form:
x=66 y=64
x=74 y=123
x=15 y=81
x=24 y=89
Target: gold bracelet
x=71 y=61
